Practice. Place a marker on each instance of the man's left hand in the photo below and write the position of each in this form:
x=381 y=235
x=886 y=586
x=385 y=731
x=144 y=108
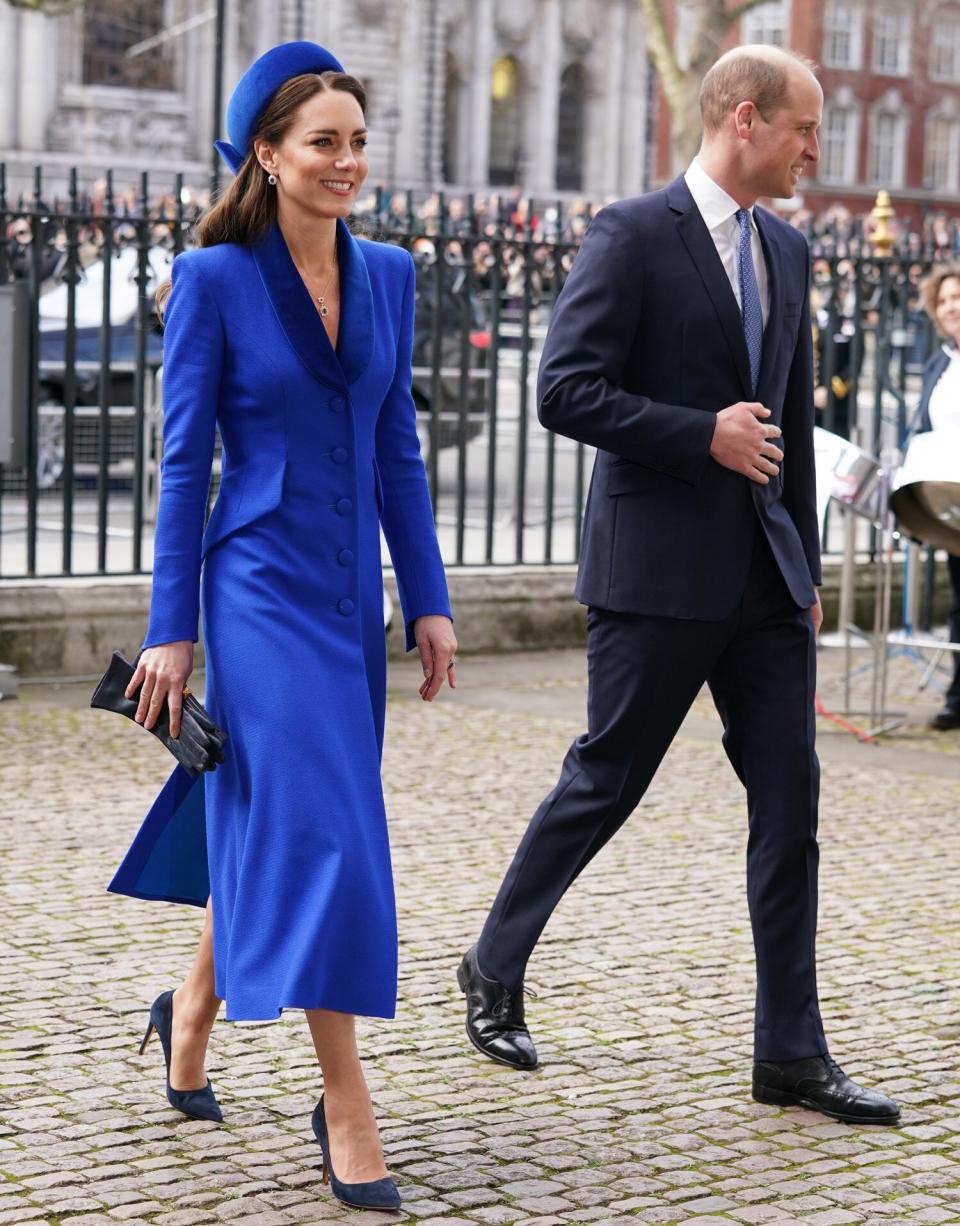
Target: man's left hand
x=816 y=612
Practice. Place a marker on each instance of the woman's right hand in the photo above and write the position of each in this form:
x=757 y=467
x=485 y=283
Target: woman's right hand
x=163 y=671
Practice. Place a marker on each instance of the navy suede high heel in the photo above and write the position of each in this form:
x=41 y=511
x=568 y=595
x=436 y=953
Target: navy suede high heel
x=376 y=1194
x=198 y=1104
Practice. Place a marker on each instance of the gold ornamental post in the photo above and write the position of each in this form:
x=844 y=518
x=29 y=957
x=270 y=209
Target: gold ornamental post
x=881 y=236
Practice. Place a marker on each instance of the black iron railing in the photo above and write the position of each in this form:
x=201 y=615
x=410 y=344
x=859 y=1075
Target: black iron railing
x=78 y=485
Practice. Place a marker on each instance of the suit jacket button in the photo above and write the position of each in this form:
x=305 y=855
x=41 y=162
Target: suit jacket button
x=340 y=455
x=345 y=606
x=337 y=403
x=344 y=506
x=345 y=557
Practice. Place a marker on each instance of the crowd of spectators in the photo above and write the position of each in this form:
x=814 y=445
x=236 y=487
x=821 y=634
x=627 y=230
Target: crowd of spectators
x=504 y=246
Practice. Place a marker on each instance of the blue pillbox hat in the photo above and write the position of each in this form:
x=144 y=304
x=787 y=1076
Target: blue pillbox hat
x=258 y=85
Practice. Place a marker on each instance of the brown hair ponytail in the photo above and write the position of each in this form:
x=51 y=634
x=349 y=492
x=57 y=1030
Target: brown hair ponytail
x=248 y=208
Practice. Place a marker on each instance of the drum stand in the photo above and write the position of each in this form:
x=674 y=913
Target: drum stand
x=908 y=643
x=849 y=635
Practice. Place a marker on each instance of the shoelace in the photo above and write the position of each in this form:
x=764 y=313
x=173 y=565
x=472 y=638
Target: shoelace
x=507 y=999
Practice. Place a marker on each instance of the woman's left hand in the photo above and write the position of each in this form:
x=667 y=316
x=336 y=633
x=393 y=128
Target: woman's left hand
x=438 y=649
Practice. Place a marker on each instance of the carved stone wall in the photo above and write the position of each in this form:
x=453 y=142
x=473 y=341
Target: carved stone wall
x=400 y=50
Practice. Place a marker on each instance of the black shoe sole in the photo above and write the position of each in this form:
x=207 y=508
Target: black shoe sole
x=784 y=1098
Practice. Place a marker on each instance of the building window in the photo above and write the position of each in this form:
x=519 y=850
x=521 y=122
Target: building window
x=891 y=40
x=945 y=47
x=767 y=23
x=942 y=154
x=888 y=148
x=570 y=128
x=110 y=27
x=838 y=141
x=506 y=143
x=843 y=34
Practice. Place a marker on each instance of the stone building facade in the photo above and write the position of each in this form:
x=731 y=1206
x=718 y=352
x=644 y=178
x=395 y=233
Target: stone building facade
x=549 y=95
x=890 y=71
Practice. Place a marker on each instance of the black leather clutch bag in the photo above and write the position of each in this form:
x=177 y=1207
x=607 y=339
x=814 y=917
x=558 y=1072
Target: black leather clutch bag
x=198 y=748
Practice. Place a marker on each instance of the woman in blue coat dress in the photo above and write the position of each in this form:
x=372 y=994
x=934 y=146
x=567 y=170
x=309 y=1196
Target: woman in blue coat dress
x=295 y=340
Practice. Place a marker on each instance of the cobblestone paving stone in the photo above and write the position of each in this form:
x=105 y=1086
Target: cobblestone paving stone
x=640 y=1110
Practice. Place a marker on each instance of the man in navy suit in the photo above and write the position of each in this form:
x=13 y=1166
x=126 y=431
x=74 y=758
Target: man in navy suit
x=681 y=348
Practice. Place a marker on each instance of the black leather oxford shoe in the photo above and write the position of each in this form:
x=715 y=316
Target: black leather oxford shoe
x=495 y=1021
x=821 y=1085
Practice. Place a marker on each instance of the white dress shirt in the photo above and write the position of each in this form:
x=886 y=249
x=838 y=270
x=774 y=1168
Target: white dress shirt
x=719 y=211
x=944 y=404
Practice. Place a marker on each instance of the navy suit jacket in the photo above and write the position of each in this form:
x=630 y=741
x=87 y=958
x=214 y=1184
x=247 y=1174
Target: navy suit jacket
x=937 y=363
x=645 y=346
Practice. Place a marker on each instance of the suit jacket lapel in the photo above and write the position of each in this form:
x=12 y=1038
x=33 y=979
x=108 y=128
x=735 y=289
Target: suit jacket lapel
x=698 y=241
x=298 y=316
x=772 y=254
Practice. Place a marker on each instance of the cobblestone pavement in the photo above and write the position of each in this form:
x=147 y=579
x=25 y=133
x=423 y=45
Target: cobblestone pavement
x=641 y=1108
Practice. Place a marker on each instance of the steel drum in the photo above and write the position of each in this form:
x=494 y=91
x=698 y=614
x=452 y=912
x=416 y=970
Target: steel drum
x=846 y=473
x=926 y=490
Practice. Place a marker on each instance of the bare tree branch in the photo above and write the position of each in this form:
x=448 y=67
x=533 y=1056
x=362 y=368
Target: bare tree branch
x=741 y=9
x=659 y=44
x=52 y=8
x=710 y=23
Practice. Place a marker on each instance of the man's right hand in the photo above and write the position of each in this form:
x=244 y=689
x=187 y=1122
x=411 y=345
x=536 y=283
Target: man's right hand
x=741 y=441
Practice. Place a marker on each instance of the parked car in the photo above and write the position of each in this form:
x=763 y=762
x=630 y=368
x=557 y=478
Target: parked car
x=86 y=366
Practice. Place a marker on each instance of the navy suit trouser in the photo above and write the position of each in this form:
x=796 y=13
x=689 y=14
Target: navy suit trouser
x=644 y=673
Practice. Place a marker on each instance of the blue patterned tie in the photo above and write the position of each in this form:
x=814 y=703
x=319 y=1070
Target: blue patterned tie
x=750 y=309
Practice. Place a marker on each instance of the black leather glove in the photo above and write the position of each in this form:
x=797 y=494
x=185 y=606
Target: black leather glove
x=198 y=748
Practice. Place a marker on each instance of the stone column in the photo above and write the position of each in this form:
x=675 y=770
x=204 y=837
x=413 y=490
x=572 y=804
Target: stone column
x=479 y=93
x=616 y=41
x=413 y=46
x=38 y=80
x=325 y=26
x=542 y=134
x=9 y=79
x=633 y=165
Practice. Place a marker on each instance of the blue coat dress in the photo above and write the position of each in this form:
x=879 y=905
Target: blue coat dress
x=320 y=449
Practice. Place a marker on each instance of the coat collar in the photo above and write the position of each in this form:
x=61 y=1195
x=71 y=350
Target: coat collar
x=298 y=316
x=699 y=242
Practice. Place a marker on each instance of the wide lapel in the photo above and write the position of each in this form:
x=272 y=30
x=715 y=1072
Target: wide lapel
x=703 y=251
x=298 y=316
x=356 y=338
x=776 y=288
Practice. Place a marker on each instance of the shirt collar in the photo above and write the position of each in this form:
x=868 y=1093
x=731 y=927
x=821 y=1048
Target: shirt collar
x=715 y=205
x=951 y=351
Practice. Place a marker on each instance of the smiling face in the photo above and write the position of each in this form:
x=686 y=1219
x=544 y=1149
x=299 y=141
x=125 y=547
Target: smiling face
x=948 y=308
x=778 y=148
x=321 y=162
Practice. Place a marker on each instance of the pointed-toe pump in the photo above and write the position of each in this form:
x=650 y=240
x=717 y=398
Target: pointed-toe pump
x=376 y=1194
x=198 y=1104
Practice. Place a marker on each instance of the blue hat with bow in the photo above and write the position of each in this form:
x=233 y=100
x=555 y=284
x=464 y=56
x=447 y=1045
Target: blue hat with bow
x=258 y=85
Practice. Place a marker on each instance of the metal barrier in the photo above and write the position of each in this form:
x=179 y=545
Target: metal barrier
x=80 y=496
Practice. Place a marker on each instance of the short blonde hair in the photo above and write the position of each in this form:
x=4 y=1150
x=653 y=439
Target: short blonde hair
x=747 y=75
x=931 y=285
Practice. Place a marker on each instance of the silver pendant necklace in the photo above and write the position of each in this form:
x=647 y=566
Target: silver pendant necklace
x=321 y=298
